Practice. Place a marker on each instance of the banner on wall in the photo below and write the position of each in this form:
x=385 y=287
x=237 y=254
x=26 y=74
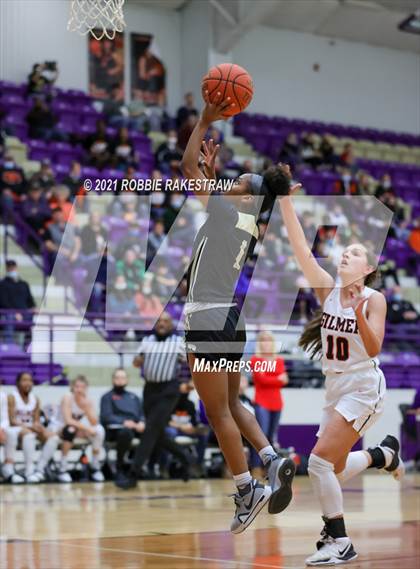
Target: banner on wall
x=148 y=73
x=106 y=67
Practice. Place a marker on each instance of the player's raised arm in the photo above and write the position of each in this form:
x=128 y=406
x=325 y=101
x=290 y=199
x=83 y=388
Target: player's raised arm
x=190 y=161
x=318 y=278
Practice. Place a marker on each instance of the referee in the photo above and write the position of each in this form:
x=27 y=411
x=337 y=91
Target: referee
x=159 y=356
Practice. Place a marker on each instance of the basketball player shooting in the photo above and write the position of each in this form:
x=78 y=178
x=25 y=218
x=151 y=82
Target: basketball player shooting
x=214 y=323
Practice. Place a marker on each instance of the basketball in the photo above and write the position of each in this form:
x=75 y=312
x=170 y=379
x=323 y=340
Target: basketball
x=232 y=81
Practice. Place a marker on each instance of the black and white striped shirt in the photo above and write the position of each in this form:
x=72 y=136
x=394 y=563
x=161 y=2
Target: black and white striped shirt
x=161 y=357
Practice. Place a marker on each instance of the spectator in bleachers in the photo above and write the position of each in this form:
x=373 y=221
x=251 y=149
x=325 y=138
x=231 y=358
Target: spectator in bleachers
x=122 y=150
x=185 y=110
x=16 y=296
x=401 y=311
x=60 y=198
x=12 y=183
x=310 y=153
x=158 y=201
x=36 y=81
x=348 y=159
x=290 y=151
x=76 y=417
x=384 y=185
x=36 y=210
x=42 y=122
x=93 y=237
x=120 y=301
x=366 y=184
x=26 y=428
x=186 y=129
x=114 y=108
x=62 y=237
x=169 y=154
x=164 y=281
x=155 y=240
x=99 y=277
x=45 y=176
x=173 y=207
x=74 y=180
x=121 y=415
x=4 y=418
x=347 y=185
x=98 y=147
x=267 y=248
x=132 y=268
x=327 y=152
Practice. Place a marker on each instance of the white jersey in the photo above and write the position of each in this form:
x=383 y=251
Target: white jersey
x=4 y=411
x=342 y=347
x=76 y=413
x=24 y=412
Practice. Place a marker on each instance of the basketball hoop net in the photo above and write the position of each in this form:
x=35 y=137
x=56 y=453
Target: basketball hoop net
x=102 y=18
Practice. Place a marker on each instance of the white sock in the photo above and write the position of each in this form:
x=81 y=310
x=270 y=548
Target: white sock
x=63 y=464
x=11 y=443
x=8 y=470
x=356 y=462
x=242 y=480
x=95 y=462
x=326 y=486
x=98 y=437
x=267 y=454
x=29 y=449
x=47 y=452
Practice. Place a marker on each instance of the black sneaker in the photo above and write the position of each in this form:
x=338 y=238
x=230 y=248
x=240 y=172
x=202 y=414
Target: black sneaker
x=125 y=482
x=396 y=468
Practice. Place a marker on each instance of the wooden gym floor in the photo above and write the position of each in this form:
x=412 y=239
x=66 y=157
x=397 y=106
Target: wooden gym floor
x=170 y=524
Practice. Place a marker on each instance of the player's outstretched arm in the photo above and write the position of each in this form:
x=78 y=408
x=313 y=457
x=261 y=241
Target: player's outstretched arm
x=190 y=161
x=317 y=277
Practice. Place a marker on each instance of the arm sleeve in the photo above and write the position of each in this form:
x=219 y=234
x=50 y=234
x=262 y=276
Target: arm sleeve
x=220 y=208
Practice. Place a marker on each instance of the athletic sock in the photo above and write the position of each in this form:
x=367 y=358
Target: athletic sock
x=63 y=464
x=96 y=465
x=47 y=452
x=381 y=457
x=356 y=462
x=242 y=480
x=29 y=450
x=326 y=486
x=335 y=527
x=267 y=454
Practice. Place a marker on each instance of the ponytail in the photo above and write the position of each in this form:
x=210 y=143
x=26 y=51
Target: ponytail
x=310 y=340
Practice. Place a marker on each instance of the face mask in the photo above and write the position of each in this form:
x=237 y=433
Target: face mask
x=346 y=178
x=397 y=297
x=172 y=142
x=9 y=164
x=158 y=198
x=13 y=275
x=119 y=389
x=162 y=337
x=177 y=201
x=386 y=184
x=120 y=286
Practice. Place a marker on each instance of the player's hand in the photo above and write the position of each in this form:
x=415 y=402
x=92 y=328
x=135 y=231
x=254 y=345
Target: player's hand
x=215 y=111
x=285 y=168
x=140 y=426
x=358 y=300
x=208 y=158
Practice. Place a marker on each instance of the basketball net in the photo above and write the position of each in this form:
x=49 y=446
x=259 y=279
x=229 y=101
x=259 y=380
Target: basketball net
x=102 y=18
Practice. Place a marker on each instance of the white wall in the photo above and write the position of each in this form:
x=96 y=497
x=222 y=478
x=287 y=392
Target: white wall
x=301 y=406
x=357 y=84
x=36 y=30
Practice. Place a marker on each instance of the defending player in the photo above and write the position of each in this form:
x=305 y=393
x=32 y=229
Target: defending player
x=214 y=321
x=348 y=332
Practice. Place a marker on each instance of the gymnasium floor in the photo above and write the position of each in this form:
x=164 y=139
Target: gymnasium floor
x=174 y=525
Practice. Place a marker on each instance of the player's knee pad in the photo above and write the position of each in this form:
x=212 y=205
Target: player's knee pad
x=317 y=466
x=68 y=433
